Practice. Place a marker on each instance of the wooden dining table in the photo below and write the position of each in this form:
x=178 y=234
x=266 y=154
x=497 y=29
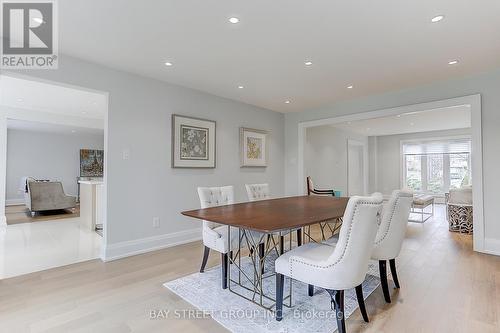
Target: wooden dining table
x=268 y=218
x=274 y=215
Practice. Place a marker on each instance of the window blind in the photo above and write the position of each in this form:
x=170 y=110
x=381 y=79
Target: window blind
x=453 y=146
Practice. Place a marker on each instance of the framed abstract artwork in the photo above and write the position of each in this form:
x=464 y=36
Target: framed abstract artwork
x=253 y=147
x=91 y=163
x=193 y=142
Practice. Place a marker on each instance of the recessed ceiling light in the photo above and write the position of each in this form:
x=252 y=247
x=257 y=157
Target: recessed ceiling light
x=38 y=20
x=350 y=87
x=20 y=100
x=73 y=131
x=240 y=87
x=453 y=62
x=287 y=102
x=308 y=63
x=234 y=20
x=437 y=18
x=168 y=63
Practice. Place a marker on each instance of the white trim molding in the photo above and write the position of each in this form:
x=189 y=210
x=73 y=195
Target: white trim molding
x=143 y=245
x=474 y=101
x=491 y=246
x=3 y=221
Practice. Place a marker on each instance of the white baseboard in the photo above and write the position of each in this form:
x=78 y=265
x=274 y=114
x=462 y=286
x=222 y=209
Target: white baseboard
x=143 y=245
x=3 y=221
x=14 y=202
x=491 y=246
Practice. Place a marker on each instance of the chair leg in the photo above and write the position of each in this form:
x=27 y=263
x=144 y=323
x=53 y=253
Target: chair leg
x=337 y=297
x=382 y=265
x=310 y=290
x=206 y=252
x=392 y=264
x=224 y=270
x=280 y=279
x=361 y=302
x=262 y=251
x=299 y=237
x=282 y=245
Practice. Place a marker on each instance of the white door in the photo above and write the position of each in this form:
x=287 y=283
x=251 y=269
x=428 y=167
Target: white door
x=355 y=168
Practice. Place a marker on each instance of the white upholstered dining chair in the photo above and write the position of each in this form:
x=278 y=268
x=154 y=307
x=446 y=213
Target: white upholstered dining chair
x=390 y=236
x=256 y=192
x=215 y=236
x=335 y=268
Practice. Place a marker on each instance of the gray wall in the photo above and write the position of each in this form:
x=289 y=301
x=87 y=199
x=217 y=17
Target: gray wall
x=139 y=120
x=42 y=155
x=325 y=156
x=488 y=85
x=387 y=156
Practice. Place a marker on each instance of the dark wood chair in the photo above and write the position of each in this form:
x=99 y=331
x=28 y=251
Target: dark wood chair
x=312 y=190
x=334 y=226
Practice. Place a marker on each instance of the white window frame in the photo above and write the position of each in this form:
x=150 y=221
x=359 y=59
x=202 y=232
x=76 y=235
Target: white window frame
x=446 y=162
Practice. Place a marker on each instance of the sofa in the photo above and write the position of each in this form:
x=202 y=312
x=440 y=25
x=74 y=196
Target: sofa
x=46 y=195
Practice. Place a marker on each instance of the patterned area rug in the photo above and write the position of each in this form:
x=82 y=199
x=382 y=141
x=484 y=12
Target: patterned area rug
x=307 y=314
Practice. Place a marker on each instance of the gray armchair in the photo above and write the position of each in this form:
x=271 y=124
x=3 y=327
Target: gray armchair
x=43 y=196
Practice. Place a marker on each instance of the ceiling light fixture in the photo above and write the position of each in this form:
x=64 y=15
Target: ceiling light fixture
x=437 y=18
x=308 y=63
x=168 y=63
x=287 y=102
x=350 y=87
x=234 y=20
x=240 y=87
x=453 y=62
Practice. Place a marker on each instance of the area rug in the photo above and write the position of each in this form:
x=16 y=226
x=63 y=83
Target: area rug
x=307 y=314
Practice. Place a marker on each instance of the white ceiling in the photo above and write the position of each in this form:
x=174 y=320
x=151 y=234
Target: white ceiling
x=40 y=96
x=376 y=46
x=415 y=122
x=33 y=126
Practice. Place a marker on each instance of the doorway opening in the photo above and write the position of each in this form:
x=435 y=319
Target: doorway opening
x=53 y=174
x=432 y=148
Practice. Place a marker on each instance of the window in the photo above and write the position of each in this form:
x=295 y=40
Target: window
x=414 y=172
x=436 y=166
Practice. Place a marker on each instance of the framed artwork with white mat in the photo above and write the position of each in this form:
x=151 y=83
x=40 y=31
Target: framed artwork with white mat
x=253 y=147
x=193 y=142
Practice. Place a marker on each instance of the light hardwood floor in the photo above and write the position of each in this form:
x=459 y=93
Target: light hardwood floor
x=20 y=214
x=445 y=287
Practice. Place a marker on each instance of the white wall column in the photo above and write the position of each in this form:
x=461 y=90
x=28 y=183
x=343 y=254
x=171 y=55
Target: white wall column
x=3 y=166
